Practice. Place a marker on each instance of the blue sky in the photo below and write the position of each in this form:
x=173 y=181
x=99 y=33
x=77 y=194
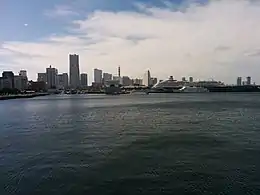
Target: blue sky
x=201 y=38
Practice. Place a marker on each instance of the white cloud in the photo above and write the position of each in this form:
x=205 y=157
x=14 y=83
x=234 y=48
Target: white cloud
x=60 y=11
x=219 y=40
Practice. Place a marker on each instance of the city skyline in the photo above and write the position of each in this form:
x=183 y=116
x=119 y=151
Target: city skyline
x=201 y=39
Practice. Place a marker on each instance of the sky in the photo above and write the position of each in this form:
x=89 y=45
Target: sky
x=206 y=39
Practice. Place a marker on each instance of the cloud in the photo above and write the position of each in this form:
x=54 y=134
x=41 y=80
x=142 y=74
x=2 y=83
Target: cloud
x=212 y=40
x=60 y=11
x=25 y=25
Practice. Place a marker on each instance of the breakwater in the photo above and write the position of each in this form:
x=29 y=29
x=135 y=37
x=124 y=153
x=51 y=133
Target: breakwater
x=20 y=96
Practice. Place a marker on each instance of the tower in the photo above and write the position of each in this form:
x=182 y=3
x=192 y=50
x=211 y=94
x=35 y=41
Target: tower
x=74 y=71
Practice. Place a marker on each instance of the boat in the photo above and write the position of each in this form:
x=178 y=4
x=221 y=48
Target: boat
x=188 y=89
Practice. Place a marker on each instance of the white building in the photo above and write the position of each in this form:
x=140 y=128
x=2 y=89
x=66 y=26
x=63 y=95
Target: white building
x=84 y=80
x=97 y=76
x=147 y=78
x=74 y=71
x=51 y=75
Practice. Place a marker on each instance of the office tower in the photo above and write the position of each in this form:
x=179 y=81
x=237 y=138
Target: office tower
x=51 y=75
x=8 y=80
x=183 y=79
x=239 y=81
x=65 y=79
x=62 y=81
x=191 y=79
x=137 y=82
x=74 y=71
x=248 y=80
x=107 y=77
x=23 y=73
x=97 y=76
x=115 y=78
x=154 y=81
x=84 y=80
x=42 y=77
x=126 y=81
x=147 y=78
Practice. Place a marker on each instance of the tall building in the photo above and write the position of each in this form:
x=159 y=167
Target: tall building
x=7 y=80
x=183 y=79
x=239 y=81
x=107 y=77
x=137 y=82
x=51 y=75
x=74 y=71
x=248 y=80
x=126 y=81
x=154 y=81
x=97 y=76
x=42 y=77
x=191 y=79
x=20 y=82
x=84 y=80
x=23 y=73
x=62 y=81
x=147 y=78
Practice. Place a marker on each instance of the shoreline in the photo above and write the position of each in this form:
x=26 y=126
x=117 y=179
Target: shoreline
x=22 y=96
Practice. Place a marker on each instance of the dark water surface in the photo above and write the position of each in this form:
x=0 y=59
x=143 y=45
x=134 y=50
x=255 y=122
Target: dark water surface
x=155 y=144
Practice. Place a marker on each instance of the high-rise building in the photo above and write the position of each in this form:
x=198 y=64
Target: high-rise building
x=248 y=80
x=84 y=80
x=74 y=71
x=42 y=77
x=126 y=81
x=51 y=75
x=239 y=81
x=191 y=79
x=7 y=80
x=147 y=78
x=97 y=76
x=23 y=73
x=62 y=81
x=107 y=77
x=137 y=82
x=20 y=82
x=154 y=81
x=183 y=79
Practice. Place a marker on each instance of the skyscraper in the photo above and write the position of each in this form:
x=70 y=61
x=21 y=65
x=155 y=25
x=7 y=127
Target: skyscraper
x=84 y=80
x=62 y=81
x=42 y=77
x=107 y=77
x=23 y=73
x=191 y=79
x=97 y=76
x=147 y=78
x=239 y=81
x=51 y=74
x=248 y=80
x=74 y=71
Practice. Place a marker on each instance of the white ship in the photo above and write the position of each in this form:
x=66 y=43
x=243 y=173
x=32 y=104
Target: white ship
x=188 y=89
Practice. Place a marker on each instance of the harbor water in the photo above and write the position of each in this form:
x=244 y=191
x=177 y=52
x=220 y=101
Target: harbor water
x=131 y=144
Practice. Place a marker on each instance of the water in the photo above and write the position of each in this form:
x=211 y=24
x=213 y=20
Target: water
x=155 y=144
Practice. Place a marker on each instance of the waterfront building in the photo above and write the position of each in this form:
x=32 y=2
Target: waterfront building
x=248 y=80
x=42 y=77
x=106 y=77
x=51 y=75
x=7 y=81
x=137 y=82
x=147 y=78
x=183 y=79
x=97 y=76
x=23 y=73
x=62 y=81
x=153 y=81
x=74 y=71
x=239 y=81
x=84 y=80
x=20 y=82
x=191 y=79
x=126 y=81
